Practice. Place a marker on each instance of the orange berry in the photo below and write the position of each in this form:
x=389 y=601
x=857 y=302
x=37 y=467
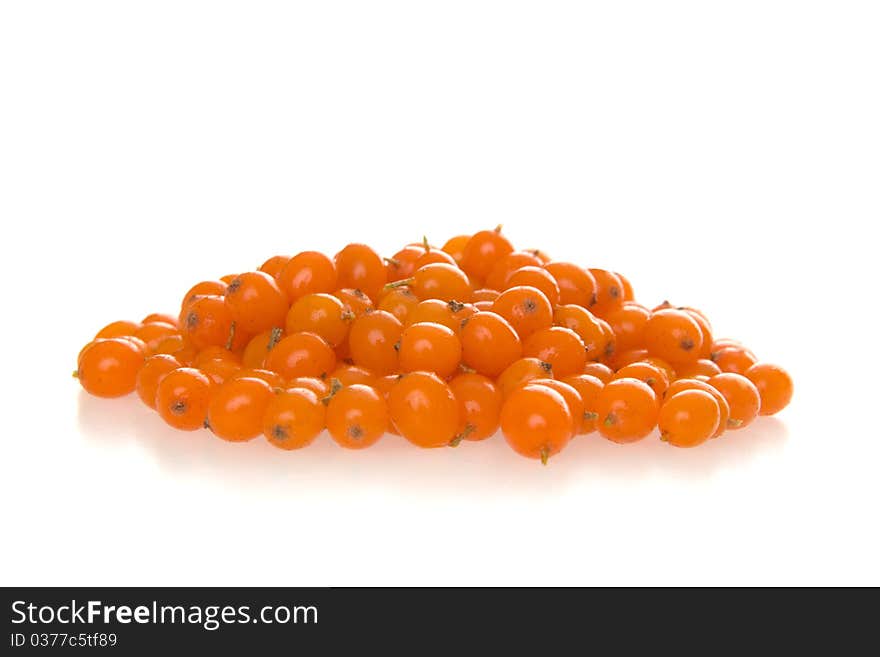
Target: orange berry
x=526 y=308
x=628 y=324
x=774 y=385
x=373 y=341
x=301 y=354
x=479 y=405
x=255 y=302
x=355 y=301
x=482 y=251
x=595 y=334
x=403 y=263
x=349 y=375
x=734 y=359
x=182 y=398
x=441 y=281
x=207 y=322
x=572 y=400
x=627 y=410
x=522 y=371
x=489 y=343
x=429 y=347
x=119 y=329
x=274 y=265
x=536 y=421
x=203 y=289
x=609 y=292
x=694 y=384
x=576 y=284
x=455 y=246
x=742 y=396
x=359 y=267
x=160 y=317
x=109 y=367
x=674 y=336
x=701 y=367
x=655 y=377
x=536 y=277
x=236 y=409
x=321 y=314
x=561 y=347
x=274 y=379
x=293 y=418
x=588 y=387
x=308 y=272
x=220 y=370
x=599 y=370
x=688 y=418
x=400 y=302
x=451 y=314
x=357 y=416
x=259 y=346
x=148 y=377
x=424 y=410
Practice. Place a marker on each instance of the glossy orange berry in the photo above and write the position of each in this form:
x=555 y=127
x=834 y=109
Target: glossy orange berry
x=207 y=322
x=501 y=271
x=215 y=353
x=403 y=263
x=609 y=292
x=522 y=371
x=149 y=375
x=236 y=409
x=595 y=334
x=628 y=324
x=308 y=272
x=400 y=302
x=433 y=255
x=536 y=422
x=440 y=281
x=489 y=344
x=626 y=287
x=301 y=354
x=203 y=289
x=454 y=246
x=160 y=317
x=588 y=387
x=373 y=341
x=255 y=302
x=688 y=418
x=359 y=267
x=479 y=404
x=701 y=367
x=627 y=410
x=258 y=347
x=275 y=380
x=293 y=418
x=321 y=314
x=109 y=367
x=154 y=333
x=424 y=409
x=572 y=400
x=485 y=294
x=448 y=313
x=526 y=308
x=355 y=301
x=319 y=386
x=774 y=386
x=274 y=265
x=599 y=370
x=220 y=370
x=182 y=398
x=674 y=336
x=349 y=375
x=655 y=377
x=734 y=359
x=483 y=306
x=576 y=284
x=429 y=347
x=536 y=277
x=559 y=346
x=624 y=358
x=742 y=396
x=228 y=278
x=705 y=331
x=694 y=384
x=482 y=251
x=357 y=416
x=118 y=329
x=180 y=348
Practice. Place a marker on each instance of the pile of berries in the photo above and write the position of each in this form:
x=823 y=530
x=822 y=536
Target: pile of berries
x=438 y=345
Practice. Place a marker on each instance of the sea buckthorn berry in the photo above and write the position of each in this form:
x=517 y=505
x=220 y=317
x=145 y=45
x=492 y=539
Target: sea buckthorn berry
x=321 y=314
x=349 y=375
x=403 y=263
x=109 y=367
x=215 y=353
x=308 y=272
x=293 y=418
x=705 y=331
x=451 y=314
x=626 y=287
x=599 y=370
x=301 y=354
x=572 y=400
x=259 y=346
x=373 y=341
x=522 y=371
x=526 y=308
x=701 y=367
x=694 y=384
x=482 y=251
x=118 y=329
x=596 y=335
x=734 y=359
x=454 y=246
x=561 y=347
x=674 y=336
x=357 y=416
x=479 y=405
x=274 y=265
x=360 y=268
x=399 y=302
x=148 y=377
x=355 y=301
x=237 y=407
x=429 y=347
x=207 y=322
x=319 y=386
x=220 y=370
x=202 y=289
x=483 y=306
x=255 y=302
x=440 y=281
x=536 y=277
x=424 y=410
x=628 y=323
x=489 y=344
x=655 y=377
x=228 y=278
x=588 y=387
x=182 y=398
x=433 y=255
x=627 y=410
x=485 y=294
x=688 y=418
x=274 y=379
x=774 y=386
x=742 y=396
x=624 y=358
x=501 y=271
x=180 y=348
x=160 y=317
x=536 y=422
x=576 y=284
x=609 y=292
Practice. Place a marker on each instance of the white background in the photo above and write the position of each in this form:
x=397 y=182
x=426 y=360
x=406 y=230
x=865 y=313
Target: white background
x=723 y=155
